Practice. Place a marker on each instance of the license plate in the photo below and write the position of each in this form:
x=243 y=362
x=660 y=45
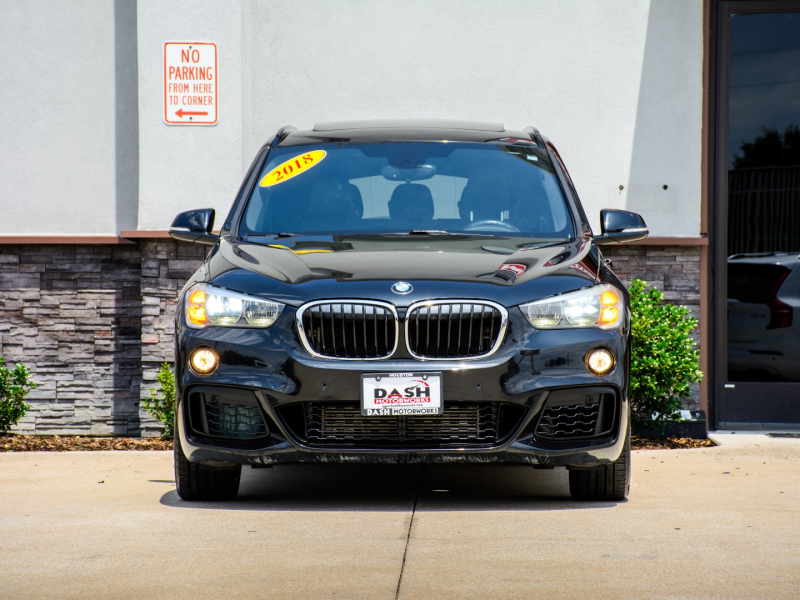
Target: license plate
x=395 y=394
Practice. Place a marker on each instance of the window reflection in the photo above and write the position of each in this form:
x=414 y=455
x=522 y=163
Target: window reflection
x=764 y=198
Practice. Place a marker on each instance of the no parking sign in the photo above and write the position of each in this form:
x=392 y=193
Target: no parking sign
x=190 y=83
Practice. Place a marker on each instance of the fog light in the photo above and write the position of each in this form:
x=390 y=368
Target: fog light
x=600 y=361
x=203 y=360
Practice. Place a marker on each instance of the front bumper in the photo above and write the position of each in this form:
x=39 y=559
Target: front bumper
x=283 y=449
x=531 y=367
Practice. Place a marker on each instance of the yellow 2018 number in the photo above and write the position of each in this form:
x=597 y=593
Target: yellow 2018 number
x=292 y=168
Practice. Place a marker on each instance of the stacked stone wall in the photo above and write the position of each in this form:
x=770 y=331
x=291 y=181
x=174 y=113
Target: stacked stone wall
x=166 y=266
x=94 y=323
x=72 y=314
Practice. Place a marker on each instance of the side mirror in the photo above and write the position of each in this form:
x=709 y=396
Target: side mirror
x=195 y=226
x=619 y=226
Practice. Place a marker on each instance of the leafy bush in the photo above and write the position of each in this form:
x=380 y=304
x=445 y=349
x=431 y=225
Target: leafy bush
x=14 y=386
x=161 y=401
x=664 y=360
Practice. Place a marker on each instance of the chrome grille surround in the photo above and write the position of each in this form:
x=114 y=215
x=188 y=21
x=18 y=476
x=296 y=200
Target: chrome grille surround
x=476 y=307
x=317 y=347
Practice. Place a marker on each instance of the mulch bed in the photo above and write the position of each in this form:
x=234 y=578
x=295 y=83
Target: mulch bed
x=38 y=443
x=57 y=443
x=641 y=442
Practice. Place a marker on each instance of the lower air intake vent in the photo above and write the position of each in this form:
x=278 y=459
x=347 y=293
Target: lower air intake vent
x=231 y=420
x=463 y=424
x=226 y=413
x=576 y=414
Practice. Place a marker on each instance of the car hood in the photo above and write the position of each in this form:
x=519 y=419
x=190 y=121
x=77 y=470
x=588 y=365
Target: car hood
x=507 y=270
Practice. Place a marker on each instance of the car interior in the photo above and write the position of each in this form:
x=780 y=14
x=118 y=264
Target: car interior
x=498 y=195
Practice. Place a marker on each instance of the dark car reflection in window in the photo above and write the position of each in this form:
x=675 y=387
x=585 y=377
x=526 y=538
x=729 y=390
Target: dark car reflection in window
x=763 y=326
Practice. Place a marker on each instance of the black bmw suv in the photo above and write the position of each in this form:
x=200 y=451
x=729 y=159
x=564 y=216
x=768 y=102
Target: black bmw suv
x=404 y=291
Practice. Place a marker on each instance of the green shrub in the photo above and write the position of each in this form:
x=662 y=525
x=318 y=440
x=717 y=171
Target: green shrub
x=14 y=386
x=161 y=401
x=664 y=360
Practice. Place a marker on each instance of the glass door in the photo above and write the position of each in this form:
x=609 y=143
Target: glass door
x=760 y=70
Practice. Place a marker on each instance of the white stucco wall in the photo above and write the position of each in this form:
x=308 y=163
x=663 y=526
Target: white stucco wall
x=616 y=84
x=57 y=117
x=180 y=166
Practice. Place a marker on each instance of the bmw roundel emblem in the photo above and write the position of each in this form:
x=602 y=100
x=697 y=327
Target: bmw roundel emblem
x=401 y=287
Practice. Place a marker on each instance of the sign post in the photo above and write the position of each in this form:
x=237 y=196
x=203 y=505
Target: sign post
x=190 y=83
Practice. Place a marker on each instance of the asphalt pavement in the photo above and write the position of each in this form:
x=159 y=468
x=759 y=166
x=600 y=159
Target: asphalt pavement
x=719 y=522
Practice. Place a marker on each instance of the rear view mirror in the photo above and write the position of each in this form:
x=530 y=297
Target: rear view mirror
x=619 y=226
x=414 y=174
x=195 y=226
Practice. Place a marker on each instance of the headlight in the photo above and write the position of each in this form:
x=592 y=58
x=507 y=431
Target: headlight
x=208 y=305
x=598 y=306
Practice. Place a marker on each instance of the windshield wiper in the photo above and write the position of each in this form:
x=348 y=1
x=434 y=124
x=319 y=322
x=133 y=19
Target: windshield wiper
x=282 y=234
x=415 y=232
x=430 y=232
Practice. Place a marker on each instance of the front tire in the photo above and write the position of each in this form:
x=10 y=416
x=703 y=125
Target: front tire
x=199 y=482
x=609 y=482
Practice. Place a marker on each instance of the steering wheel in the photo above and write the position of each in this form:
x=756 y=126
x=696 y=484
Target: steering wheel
x=491 y=225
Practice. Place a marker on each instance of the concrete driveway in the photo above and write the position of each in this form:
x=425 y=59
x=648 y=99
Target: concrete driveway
x=720 y=522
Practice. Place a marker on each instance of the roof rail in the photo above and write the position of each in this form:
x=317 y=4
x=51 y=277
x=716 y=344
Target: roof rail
x=282 y=133
x=534 y=133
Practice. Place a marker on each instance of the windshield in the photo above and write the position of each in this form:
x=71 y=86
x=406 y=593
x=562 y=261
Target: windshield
x=405 y=187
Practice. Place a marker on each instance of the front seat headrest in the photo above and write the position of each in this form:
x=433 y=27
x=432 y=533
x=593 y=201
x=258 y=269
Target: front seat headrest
x=411 y=202
x=484 y=198
x=331 y=205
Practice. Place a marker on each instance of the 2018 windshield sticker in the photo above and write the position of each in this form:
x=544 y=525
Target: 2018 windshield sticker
x=292 y=168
